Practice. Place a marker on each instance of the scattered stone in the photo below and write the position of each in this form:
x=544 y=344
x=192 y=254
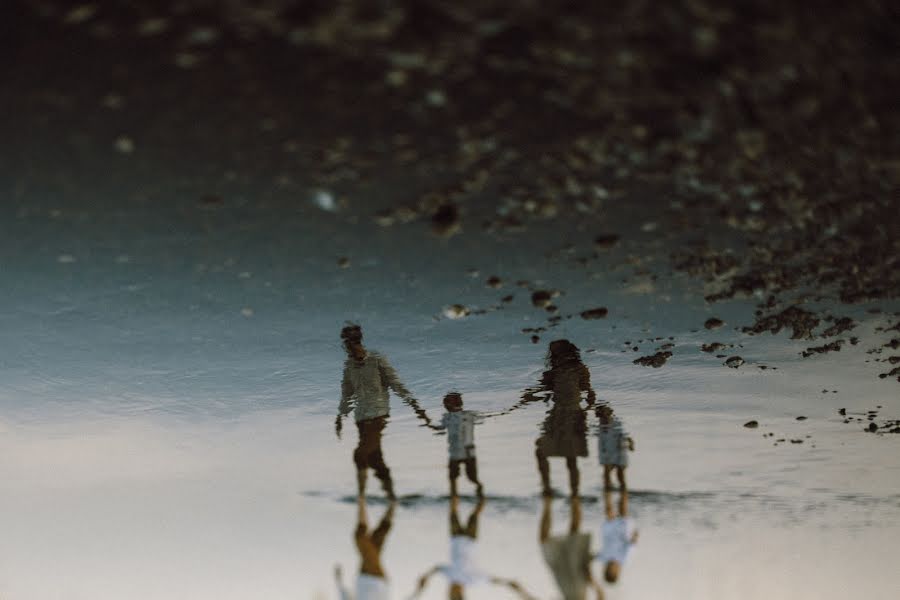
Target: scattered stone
x=830 y=347
x=872 y=428
x=842 y=411
x=801 y=322
x=713 y=347
x=594 y=313
x=494 y=282
x=796 y=441
x=801 y=418
x=606 y=241
x=535 y=339
x=343 y=262
x=456 y=311
x=840 y=325
x=124 y=144
x=713 y=323
x=656 y=360
x=734 y=362
x=541 y=298
x=751 y=424
x=324 y=199
x=506 y=299
x=445 y=220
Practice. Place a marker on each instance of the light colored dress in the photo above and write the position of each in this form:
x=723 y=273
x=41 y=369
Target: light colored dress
x=568 y=557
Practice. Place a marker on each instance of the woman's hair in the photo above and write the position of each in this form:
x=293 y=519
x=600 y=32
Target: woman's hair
x=562 y=352
x=351 y=333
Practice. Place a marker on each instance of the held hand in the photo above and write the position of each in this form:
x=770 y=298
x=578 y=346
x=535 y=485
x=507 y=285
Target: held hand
x=631 y=444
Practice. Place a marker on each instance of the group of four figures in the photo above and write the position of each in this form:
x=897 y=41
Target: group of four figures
x=367 y=379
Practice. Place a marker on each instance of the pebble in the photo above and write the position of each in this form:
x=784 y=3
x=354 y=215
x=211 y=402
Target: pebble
x=713 y=323
x=751 y=424
x=734 y=362
x=595 y=313
x=456 y=311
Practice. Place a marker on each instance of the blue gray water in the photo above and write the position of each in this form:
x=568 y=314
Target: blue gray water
x=171 y=375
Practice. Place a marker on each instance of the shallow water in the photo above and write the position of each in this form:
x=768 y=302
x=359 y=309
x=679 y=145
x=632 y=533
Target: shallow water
x=170 y=389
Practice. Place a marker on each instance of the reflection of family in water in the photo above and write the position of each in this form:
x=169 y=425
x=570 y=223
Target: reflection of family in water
x=566 y=385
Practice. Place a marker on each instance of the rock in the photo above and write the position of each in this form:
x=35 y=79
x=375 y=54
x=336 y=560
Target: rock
x=656 y=360
x=124 y=144
x=445 y=220
x=324 y=200
x=751 y=424
x=494 y=282
x=606 y=241
x=506 y=299
x=872 y=428
x=713 y=347
x=842 y=411
x=734 y=362
x=834 y=346
x=801 y=418
x=343 y=262
x=535 y=339
x=595 y=313
x=713 y=323
x=456 y=311
x=802 y=322
x=541 y=298
x=840 y=325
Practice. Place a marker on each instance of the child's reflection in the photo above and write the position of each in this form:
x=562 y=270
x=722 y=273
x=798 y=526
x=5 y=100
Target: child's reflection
x=371 y=582
x=564 y=431
x=463 y=569
x=364 y=390
x=618 y=531
x=568 y=556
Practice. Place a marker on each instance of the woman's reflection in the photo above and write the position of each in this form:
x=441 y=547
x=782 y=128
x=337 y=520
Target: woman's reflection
x=364 y=390
x=371 y=582
x=463 y=569
x=568 y=556
x=564 y=431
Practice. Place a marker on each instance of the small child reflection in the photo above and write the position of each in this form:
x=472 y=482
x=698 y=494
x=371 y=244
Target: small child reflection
x=371 y=582
x=568 y=556
x=463 y=570
x=460 y=427
x=618 y=533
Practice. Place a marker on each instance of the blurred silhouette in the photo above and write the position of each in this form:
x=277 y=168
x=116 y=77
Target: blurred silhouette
x=463 y=569
x=371 y=582
x=568 y=556
x=364 y=390
x=613 y=445
x=619 y=535
x=460 y=427
x=564 y=431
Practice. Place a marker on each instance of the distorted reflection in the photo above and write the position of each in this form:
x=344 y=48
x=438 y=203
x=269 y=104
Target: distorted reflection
x=569 y=555
x=463 y=569
x=368 y=377
x=618 y=531
x=564 y=431
x=371 y=582
x=460 y=427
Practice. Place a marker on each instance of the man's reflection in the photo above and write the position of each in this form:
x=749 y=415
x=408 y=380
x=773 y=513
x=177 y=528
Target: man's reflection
x=618 y=531
x=364 y=389
x=371 y=582
x=564 y=431
x=463 y=569
x=568 y=556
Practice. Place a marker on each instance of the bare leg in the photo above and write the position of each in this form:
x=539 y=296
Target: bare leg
x=620 y=473
x=544 y=530
x=607 y=478
x=543 y=468
x=574 y=476
x=361 y=483
x=575 y=514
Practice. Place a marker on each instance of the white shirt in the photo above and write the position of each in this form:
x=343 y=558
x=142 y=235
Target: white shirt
x=462 y=568
x=460 y=426
x=368 y=587
x=364 y=388
x=616 y=535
